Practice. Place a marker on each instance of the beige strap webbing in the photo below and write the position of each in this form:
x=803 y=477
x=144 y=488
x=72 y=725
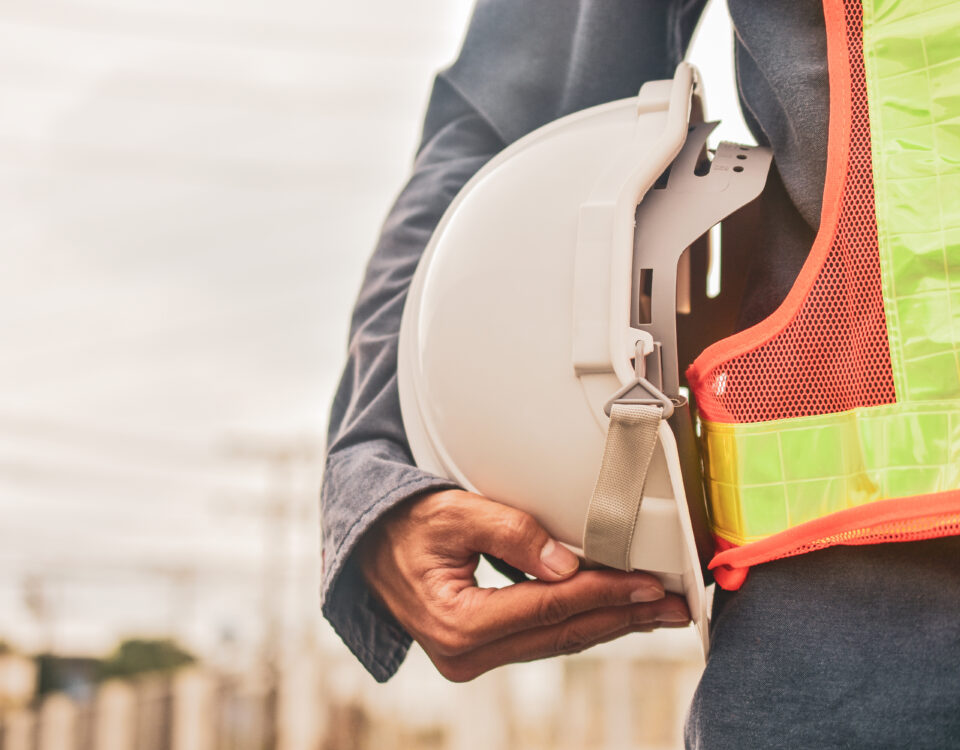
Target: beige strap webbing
x=615 y=504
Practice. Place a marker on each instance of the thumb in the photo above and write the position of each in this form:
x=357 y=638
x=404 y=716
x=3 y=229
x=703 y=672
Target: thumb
x=516 y=538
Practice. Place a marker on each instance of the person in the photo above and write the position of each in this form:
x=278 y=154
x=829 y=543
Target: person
x=842 y=647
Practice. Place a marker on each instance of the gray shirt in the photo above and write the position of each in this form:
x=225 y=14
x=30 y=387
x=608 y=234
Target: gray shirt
x=848 y=647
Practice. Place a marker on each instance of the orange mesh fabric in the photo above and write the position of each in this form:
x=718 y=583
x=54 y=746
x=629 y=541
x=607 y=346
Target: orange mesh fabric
x=909 y=530
x=832 y=355
x=732 y=574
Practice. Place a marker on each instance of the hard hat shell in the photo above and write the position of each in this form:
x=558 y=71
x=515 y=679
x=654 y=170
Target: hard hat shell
x=516 y=329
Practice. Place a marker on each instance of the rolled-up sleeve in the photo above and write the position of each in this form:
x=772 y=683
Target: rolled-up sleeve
x=522 y=64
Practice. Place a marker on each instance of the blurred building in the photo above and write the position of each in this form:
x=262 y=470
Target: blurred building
x=18 y=679
x=623 y=698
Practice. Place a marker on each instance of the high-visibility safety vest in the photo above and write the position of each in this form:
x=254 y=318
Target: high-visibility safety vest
x=837 y=419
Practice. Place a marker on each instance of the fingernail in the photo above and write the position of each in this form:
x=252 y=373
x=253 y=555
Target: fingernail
x=558 y=558
x=648 y=593
x=672 y=617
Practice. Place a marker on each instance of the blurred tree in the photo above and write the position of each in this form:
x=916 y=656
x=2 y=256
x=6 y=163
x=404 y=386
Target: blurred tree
x=136 y=655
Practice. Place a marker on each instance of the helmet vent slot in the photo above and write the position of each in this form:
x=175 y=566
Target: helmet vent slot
x=663 y=179
x=704 y=162
x=644 y=296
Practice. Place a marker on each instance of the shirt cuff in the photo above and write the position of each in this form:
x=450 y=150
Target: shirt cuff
x=368 y=629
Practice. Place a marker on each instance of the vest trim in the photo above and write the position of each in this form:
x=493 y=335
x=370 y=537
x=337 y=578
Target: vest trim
x=898 y=519
x=763 y=478
x=838 y=141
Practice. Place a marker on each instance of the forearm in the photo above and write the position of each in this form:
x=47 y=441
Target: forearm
x=369 y=468
x=522 y=65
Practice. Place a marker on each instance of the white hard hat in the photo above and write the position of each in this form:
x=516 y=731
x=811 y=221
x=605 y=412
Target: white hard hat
x=546 y=300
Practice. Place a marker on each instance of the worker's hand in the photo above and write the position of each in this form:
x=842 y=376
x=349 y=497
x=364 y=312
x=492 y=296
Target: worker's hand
x=420 y=561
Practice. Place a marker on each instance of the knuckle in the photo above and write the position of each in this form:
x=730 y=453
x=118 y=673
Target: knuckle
x=455 y=644
x=443 y=506
x=449 y=642
x=608 y=595
x=519 y=527
x=571 y=640
x=455 y=670
x=642 y=615
x=448 y=605
x=552 y=608
x=452 y=625
x=441 y=593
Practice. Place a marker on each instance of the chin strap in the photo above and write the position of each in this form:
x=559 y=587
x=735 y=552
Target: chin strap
x=615 y=504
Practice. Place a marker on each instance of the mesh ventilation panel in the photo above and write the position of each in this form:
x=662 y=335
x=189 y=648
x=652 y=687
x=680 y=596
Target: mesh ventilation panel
x=833 y=356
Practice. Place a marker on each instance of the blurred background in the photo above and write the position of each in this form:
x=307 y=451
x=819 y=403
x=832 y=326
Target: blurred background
x=189 y=192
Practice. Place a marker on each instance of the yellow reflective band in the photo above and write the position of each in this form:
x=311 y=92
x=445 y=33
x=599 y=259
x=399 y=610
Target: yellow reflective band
x=766 y=477
x=912 y=65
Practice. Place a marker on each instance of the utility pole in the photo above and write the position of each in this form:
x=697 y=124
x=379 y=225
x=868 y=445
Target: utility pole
x=182 y=580
x=36 y=598
x=282 y=460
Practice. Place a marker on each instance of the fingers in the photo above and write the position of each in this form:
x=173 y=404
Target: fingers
x=420 y=564
x=491 y=614
x=516 y=538
x=572 y=636
x=459 y=616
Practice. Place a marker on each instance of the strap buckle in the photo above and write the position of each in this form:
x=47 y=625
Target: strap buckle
x=640 y=391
